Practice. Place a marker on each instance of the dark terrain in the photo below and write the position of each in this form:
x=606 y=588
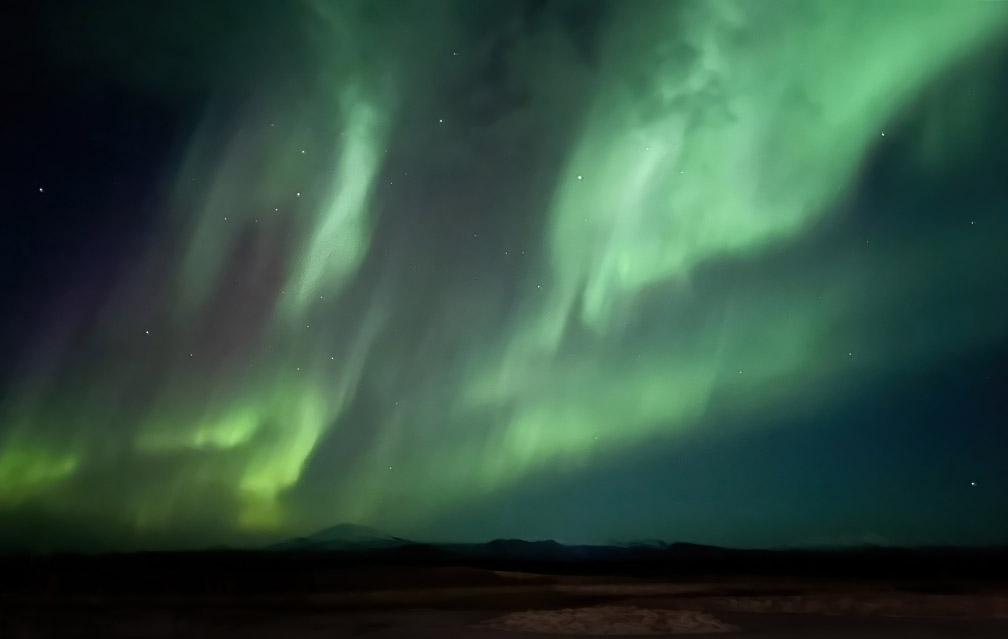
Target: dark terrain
x=331 y=586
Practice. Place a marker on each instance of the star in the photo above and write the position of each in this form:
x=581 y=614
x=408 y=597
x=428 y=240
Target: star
x=299 y=193
x=41 y=190
x=147 y=332
x=580 y=177
x=972 y=483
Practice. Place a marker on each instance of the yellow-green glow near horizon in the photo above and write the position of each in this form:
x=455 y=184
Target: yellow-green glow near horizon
x=286 y=367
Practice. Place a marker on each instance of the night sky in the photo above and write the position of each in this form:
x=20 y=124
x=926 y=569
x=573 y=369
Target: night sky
x=726 y=271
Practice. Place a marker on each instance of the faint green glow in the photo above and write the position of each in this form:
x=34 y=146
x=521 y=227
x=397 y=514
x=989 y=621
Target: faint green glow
x=233 y=430
x=229 y=184
x=26 y=471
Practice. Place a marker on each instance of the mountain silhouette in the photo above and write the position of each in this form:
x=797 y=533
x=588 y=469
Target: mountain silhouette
x=362 y=545
x=364 y=540
x=343 y=537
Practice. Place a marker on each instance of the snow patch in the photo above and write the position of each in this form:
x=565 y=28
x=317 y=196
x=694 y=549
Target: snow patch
x=610 y=620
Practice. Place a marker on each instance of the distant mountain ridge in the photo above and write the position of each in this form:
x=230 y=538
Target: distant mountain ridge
x=343 y=537
x=365 y=540
x=364 y=545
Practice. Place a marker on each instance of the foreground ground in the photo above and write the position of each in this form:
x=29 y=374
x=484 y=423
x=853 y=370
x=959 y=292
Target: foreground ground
x=459 y=603
x=447 y=624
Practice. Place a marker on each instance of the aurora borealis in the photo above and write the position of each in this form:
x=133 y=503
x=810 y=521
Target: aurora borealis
x=710 y=270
